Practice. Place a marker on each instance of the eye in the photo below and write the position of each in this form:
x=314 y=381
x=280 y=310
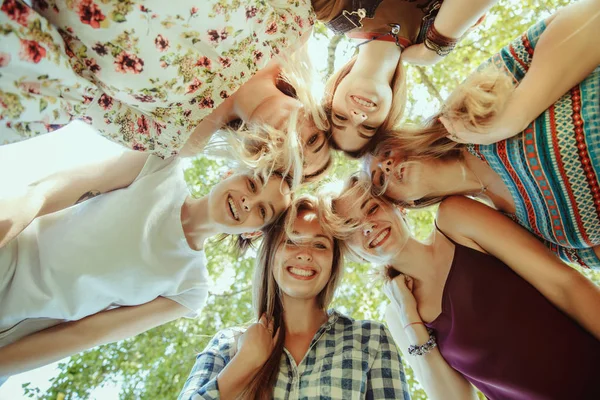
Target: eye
x=373 y=209
x=381 y=180
x=341 y=118
x=387 y=154
x=350 y=221
x=290 y=242
x=263 y=212
x=320 y=246
x=313 y=139
x=252 y=185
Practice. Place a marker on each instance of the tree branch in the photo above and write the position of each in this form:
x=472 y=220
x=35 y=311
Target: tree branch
x=428 y=84
x=331 y=47
x=230 y=294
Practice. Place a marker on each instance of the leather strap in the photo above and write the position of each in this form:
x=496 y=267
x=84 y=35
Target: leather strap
x=351 y=19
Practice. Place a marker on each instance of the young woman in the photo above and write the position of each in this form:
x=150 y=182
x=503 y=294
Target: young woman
x=144 y=74
x=545 y=177
x=477 y=306
x=367 y=95
x=298 y=348
x=112 y=266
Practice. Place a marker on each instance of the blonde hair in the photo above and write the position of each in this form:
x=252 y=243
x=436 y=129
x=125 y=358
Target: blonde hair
x=475 y=102
x=262 y=147
x=267 y=297
x=398 y=86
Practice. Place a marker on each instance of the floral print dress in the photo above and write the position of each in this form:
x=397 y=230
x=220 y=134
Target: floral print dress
x=143 y=73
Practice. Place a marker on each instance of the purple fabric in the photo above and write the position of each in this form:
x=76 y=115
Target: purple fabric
x=507 y=339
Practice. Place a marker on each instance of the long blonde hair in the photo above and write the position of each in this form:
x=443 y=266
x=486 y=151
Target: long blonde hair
x=398 y=86
x=475 y=102
x=267 y=296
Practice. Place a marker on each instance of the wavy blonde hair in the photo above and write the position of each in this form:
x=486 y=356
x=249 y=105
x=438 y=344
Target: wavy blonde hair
x=392 y=121
x=475 y=103
x=266 y=297
x=263 y=147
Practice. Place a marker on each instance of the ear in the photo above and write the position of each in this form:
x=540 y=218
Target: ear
x=251 y=235
x=227 y=174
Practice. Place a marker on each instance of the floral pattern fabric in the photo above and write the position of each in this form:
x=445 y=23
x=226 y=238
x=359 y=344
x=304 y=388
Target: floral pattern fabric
x=144 y=73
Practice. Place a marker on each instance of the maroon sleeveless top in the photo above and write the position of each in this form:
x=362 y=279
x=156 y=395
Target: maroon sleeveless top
x=508 y=340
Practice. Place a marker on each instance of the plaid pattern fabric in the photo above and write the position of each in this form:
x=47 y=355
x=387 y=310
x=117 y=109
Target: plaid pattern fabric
x=347 y=359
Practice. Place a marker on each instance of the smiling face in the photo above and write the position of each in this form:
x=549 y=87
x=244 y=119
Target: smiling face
x=360 y=105
x=380 y=231
x=245 y=203
x=303 y=264
x=403 y=181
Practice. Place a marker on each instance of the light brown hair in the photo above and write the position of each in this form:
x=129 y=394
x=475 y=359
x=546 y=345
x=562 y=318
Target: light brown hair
x=267 y=296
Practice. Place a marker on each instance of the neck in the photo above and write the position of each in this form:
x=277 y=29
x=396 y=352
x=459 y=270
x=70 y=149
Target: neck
x=196 y=222
x=415 y=259
x=455 y=177
x=252 y=94
x=302 y=316
x=377 y=59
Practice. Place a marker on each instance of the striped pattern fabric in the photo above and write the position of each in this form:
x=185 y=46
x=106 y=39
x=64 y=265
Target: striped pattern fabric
x=346 y=360
x=551 y=168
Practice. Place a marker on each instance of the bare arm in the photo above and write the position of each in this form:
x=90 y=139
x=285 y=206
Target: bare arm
x=562 y=285
x=65 y=188
x=456 y=16
x=566 y=53
x=439 y=380
x=454 y=19
x=69 y=338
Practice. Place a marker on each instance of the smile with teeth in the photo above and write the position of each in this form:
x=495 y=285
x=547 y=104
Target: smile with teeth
x=301 y=272
x=363 y=102
x=380 y=238
x=233 y=209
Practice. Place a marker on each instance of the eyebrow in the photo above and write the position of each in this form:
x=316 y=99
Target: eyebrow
x=320 y=171
x=261 y=179
x=340 y=127
x=364 y=203
x=320 y=235
x=362 y=135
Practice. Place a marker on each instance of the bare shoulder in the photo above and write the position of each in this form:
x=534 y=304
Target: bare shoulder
x=458 y=217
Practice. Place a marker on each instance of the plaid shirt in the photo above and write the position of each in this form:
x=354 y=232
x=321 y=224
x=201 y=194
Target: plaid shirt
x=347 y=359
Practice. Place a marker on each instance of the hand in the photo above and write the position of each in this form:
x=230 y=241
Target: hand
x=257 y=343
x=460 y=132
x=400 y=292
x=418 y=54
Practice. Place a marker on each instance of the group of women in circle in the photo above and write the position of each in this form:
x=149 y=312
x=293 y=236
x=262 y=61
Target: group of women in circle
x=105 y=252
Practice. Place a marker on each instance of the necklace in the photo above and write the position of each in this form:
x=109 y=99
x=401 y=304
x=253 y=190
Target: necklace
x=483 y=187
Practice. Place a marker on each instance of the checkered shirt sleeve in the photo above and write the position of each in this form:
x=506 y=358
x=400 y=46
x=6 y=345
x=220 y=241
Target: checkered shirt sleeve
x=202 y=382
x=386 y=379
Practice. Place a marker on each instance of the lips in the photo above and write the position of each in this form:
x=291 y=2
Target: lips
x=233 y=208
x=301 y=273
x=399 y=173
x=380 y=238
x=363 y=102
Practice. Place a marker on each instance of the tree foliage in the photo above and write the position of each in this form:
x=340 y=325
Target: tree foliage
x=155 y=364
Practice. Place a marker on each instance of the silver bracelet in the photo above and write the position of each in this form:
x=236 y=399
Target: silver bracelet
x=425 y=348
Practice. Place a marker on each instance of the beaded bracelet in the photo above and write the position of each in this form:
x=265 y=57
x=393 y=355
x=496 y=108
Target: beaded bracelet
x=439 y=43
x=425 y=348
